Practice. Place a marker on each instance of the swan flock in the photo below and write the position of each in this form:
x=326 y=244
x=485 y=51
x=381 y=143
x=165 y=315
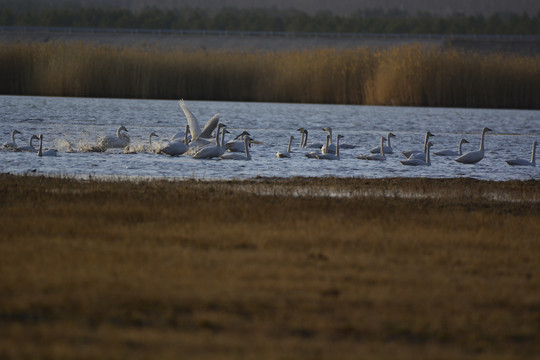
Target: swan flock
x=209 y=142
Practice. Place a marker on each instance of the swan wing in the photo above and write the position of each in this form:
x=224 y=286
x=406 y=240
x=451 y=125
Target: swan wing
x=210 y=126
x=191 y=120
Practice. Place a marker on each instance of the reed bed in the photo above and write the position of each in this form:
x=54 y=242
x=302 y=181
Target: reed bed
x=162 y=269
x=411 y=75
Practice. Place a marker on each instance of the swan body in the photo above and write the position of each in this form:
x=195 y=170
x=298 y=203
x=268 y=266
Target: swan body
x=523 y=162
x=237 y=155
x=46 y=152
x=287 y=153
x=419 y=162
x=176 y=147
x=377 y=157
x=11 y=145
x=329 y=156
x=409 y=153
x=30 y=147
x=120 y=140
x=387 y=148
x=209 y=152
x=452 y=152
x=474 y=156
x=237 y=144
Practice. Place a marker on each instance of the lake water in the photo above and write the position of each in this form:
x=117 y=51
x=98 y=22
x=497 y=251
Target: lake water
x=81 y=121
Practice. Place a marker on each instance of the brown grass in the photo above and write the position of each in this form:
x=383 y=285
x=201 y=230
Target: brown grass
x=190 y=269
x=410 y=75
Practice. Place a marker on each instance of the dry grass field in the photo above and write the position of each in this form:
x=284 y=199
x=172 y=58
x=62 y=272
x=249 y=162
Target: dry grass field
x=408 y=75
x=269 y=269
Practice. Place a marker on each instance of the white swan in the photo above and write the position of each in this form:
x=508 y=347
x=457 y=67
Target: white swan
x=209 y=152
x=237 y=155
x=237 y=144
x=387 y=148
x=523 y=162
x=176 y=147
x=378 y=157
x=30 y=147
x=408 y=153
x=120 y=140
x=46 y=152
x=419 y=162
x=332 y=156
x=286 y=154
x=452 y=152
x=474 y=156
x=328 y=148
x=141 y=147
x=11 y=145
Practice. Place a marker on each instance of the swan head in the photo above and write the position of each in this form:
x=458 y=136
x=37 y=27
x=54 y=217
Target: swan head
x=153 y=134
x=429 y=134
x=463 y=141
x=340 y=136
x=242 y=135
x=40 y=137
x=328 y=128
x=14 y=132
x=390 y=135
x=301 y=129
x=486 y=129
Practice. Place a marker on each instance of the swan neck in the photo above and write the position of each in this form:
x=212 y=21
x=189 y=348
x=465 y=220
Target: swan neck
x=425 y=142
x=459 y=148
x=428 y=160
x=482 y=140
x=337 y=147
x=388 y=140
x=305 y=139
x=222 y=138
x=302 y=139
x=382 y=147
x=246 y=147
x=40 y=151
x=289 y=147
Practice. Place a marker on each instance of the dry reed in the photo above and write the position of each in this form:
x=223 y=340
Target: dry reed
x=410 y=75
x=159 y=269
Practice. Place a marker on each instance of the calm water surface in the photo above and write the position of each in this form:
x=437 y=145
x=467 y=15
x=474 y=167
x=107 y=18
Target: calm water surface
x=81 y=121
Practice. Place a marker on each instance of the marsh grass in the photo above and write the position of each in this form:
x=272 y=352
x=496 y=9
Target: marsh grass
x=410 y=75
x=166 y=269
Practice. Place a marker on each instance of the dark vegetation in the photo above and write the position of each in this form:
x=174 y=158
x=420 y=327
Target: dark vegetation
x=273 y=19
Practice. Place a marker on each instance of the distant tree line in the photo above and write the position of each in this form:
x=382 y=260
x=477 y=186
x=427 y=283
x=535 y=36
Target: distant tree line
x=234 y=19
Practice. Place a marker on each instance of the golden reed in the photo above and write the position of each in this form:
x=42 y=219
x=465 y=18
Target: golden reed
x=410 y=75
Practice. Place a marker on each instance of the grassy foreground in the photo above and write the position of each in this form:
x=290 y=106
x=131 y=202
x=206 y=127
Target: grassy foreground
x=94 y=269
x=411 y=75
